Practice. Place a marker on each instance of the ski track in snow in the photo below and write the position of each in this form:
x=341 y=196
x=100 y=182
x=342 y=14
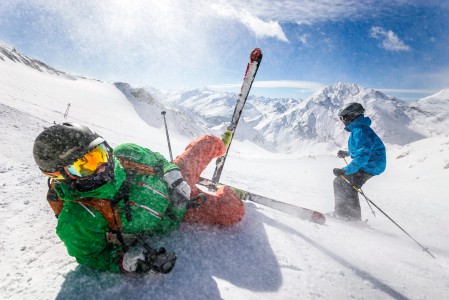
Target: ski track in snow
x=269 y=255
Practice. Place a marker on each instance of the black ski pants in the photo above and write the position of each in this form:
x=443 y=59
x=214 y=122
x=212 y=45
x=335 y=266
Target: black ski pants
x=347 y=204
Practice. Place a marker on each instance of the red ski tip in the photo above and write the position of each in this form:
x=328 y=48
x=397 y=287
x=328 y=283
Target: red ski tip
x=318 y=217
x=256 y=55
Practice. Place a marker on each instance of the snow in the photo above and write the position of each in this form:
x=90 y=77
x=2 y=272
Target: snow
x=432 y=113
x=269 y=255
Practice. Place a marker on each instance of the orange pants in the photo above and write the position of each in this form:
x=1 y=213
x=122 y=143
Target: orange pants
x=222 y=208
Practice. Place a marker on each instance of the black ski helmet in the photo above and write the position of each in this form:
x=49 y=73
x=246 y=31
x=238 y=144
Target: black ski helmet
x=350 y=112
x=60 y=145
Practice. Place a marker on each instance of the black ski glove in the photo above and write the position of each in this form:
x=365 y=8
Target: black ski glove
x=339 y=172
x=342 y=153
x=141 y=260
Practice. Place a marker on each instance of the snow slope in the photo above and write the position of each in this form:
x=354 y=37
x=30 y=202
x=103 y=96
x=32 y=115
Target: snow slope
x=431 y=114
x=269 y=255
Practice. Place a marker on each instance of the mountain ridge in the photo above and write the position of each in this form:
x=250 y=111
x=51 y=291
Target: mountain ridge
x=278 y=124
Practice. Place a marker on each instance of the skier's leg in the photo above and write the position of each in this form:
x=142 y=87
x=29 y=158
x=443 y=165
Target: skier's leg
x=346 y=200
x=197 y=156
x=224 y=208
x=347 y=203
x=358 y=179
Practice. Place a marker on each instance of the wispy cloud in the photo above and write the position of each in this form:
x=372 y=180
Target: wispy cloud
x=389 y=40
x=438 y=78
x=311 y=11
x=175 y=43
x=408 y=91
x=262 y=28
x=312 y=87
x=303 y=38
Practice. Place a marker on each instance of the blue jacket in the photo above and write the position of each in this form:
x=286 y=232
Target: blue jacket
x=365 y=148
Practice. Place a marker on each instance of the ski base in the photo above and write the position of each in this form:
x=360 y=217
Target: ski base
x=290 y=209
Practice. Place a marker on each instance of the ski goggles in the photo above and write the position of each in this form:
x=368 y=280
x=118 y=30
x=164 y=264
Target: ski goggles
x=84 y=166
x=54 y=175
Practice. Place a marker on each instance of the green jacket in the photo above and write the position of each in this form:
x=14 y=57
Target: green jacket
x=83 y=229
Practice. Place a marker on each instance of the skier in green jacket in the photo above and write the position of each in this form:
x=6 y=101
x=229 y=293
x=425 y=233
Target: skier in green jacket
x=105 y=199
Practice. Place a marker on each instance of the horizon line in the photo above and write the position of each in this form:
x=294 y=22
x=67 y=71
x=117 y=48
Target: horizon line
x=315 y=86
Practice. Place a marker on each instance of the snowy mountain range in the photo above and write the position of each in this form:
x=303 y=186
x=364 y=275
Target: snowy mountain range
x=287 y=125
x=277 y=124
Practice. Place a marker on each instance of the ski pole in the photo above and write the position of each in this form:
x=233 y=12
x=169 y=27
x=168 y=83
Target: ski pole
x=168 y=137
x=367 y=202
x=66 y=114
x=425 y=249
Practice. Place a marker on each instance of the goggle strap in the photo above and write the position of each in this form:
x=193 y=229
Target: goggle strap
x=96 y=142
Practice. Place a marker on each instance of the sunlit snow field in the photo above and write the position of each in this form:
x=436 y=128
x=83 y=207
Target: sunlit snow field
x=269 y=255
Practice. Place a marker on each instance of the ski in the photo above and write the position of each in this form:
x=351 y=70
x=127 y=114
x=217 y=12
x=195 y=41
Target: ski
x=355 y=223
x=290 y=209
x=250 y=74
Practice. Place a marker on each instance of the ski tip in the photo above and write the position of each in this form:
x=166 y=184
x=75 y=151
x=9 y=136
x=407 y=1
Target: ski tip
x=256 y=55
x=318 y=218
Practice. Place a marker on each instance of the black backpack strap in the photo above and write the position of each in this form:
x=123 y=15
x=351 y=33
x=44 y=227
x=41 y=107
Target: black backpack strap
x=123 y=194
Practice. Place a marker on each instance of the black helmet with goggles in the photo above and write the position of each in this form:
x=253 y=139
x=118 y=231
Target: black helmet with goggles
x=350 y=112
x=73 y=153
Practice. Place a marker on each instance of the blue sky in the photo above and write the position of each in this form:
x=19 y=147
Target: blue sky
x=397 y=46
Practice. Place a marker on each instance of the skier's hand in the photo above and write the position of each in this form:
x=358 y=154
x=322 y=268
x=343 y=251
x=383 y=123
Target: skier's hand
x=178 y=188
x=138 y=259
x=339 y=172
x=180 y=195
x=342 y=153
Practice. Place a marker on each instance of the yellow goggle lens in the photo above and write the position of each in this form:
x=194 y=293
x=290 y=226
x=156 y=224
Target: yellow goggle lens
x=89 y=163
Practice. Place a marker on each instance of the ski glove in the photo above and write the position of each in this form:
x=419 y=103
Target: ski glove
x=342 y=153
x=141 y=260
x=339 y=172
x=179 y=189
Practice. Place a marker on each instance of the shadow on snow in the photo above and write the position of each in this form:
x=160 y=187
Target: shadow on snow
x=240 y=255
x=377 y=283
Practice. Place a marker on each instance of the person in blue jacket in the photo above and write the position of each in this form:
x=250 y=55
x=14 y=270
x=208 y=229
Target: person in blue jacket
x=367 y=152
